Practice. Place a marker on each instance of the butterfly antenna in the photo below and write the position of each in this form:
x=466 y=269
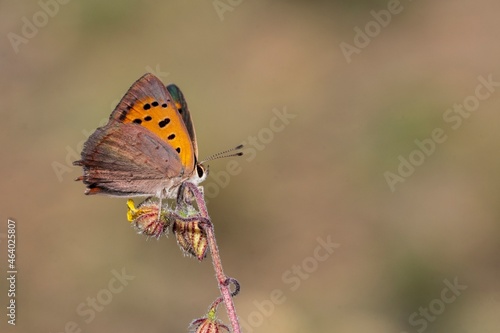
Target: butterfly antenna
x=223 y=154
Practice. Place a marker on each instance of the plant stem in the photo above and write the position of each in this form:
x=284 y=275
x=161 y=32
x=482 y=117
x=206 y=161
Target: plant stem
x=214 y=251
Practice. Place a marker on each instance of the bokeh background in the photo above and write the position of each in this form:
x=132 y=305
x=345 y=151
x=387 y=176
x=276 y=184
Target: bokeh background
x=319 y=178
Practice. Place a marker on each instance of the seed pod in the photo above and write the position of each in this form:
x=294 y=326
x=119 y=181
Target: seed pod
x=191 y=237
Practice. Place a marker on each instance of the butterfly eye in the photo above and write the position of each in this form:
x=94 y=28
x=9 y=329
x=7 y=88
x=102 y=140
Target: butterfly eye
x=200 y=170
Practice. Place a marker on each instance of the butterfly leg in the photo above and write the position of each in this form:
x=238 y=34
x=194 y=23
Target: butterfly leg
x=184 y=197
x=160 y=208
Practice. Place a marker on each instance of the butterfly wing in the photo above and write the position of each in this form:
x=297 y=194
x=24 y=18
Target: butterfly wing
x=182 y=107
x=128 y=160
x=149 y=104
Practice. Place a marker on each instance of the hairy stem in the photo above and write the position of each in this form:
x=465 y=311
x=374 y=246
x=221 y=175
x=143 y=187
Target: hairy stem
x=222 y=279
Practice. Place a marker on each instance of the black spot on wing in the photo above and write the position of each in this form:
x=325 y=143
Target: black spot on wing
x=164 y=122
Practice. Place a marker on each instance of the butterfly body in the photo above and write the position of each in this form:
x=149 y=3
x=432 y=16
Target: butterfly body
x=148 y=147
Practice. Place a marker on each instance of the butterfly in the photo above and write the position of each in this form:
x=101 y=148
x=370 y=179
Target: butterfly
x=147 y=148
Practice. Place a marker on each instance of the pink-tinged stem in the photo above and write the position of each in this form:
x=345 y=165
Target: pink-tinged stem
x=214 y=251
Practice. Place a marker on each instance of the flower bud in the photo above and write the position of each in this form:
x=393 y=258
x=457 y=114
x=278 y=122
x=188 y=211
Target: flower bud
x=191 y=237
x=207 y=324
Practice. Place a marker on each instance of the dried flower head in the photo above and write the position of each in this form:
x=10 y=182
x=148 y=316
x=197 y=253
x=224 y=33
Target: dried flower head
x=147 y=218
x=191 y=238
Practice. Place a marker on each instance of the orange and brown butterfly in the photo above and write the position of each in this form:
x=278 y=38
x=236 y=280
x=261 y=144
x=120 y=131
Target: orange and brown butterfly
x=148 y=147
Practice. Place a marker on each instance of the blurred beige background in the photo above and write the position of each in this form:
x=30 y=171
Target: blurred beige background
x=317 y=177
